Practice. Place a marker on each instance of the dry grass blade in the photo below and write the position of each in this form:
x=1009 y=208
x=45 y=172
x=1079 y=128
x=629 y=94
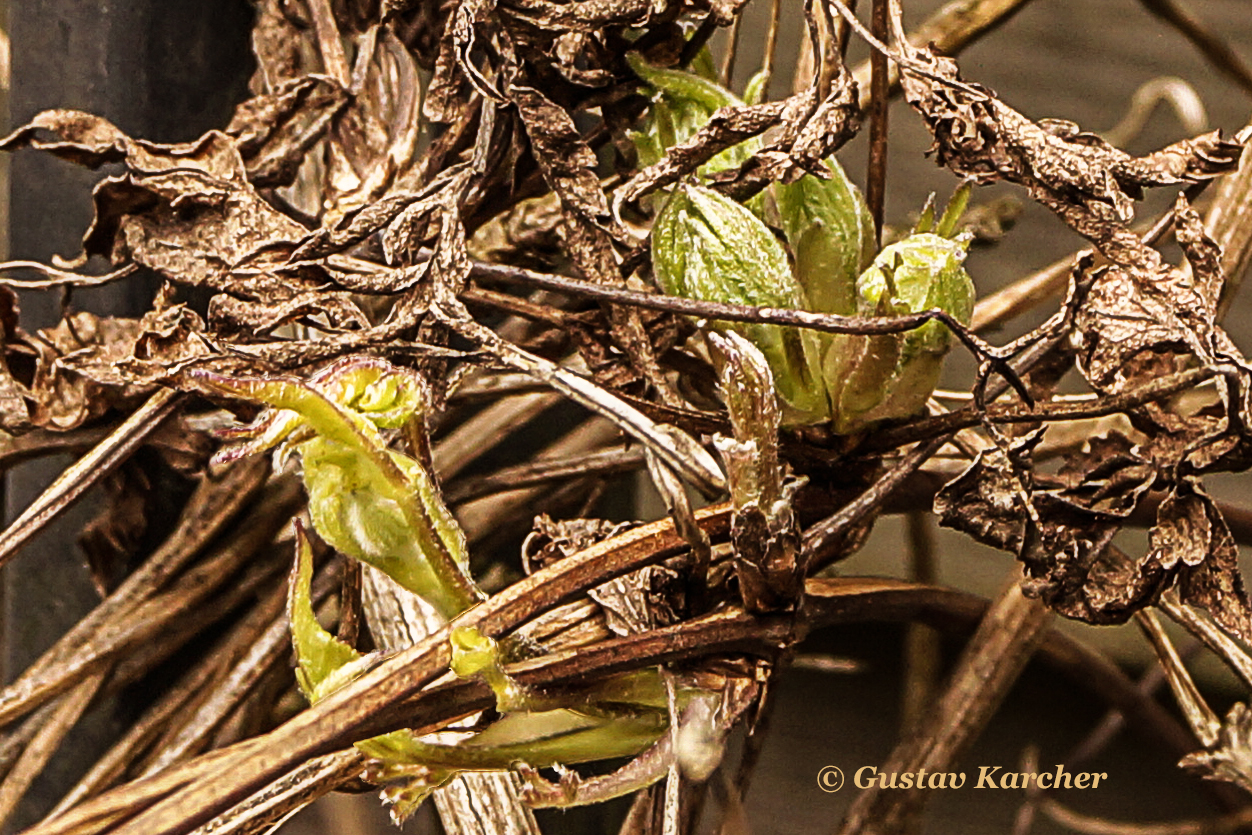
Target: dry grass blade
x=144 y=619
x=367 y=705
x=990 y=664
x=266 y=809
x=87 y=471
x=1092 y=825
x=677 y=449
x=62 y=717
x=830 y=601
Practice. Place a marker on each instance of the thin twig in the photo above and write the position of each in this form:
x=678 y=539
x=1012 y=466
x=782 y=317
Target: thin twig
x=921 y=643
x=732 y=50
x=1025 y=294
x=87 y=471
x=945 y=424
x=955 y=26
x=607 y=462
x=1090 y=825
x=771 y=45
x=1218 y=53
x=722 y=311
x=1205 y=724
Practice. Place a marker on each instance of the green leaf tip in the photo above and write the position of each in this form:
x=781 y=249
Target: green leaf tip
x=682 y=103
x=323 y=662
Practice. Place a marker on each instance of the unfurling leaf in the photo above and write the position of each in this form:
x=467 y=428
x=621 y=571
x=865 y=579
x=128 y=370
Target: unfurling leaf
x=367 y=501
x=764 y=530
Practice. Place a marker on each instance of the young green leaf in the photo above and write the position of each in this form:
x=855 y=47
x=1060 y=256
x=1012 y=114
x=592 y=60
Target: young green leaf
x=321 y=658
x=365 y=500
x=682 y=103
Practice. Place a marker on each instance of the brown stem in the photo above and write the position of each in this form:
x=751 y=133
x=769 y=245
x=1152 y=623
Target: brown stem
x=880 y=84
x=1211 y=46
x=921 y=643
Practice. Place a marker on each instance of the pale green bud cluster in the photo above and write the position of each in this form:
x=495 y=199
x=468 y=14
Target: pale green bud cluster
x=706 y=246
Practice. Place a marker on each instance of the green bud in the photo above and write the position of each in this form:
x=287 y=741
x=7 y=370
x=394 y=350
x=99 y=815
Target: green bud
x=831 y=234
x=475 y=654
x=706 y=246
x=874 y=378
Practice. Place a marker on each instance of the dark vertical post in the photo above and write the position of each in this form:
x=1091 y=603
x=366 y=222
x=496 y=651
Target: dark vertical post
x=161 y=70
x=879 y=85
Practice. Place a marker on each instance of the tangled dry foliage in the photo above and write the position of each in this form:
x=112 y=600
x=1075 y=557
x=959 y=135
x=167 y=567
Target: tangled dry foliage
x=450 y=186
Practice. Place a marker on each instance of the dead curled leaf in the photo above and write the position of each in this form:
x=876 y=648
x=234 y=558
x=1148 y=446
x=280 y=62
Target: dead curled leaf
x=1192 y=539
x=811 y=129
x=979 y=136
x=1230 y=757
x=1140 y=316
x=76 y=376
x=1136 y=304
x=274 y=132
x=1063 y=532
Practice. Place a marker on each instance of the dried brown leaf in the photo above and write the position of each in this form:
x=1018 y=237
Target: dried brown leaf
x=1230 y=758
x=1191 y=540
x=811 y=129
x=275 y=132
x=1062 y=534
x=987 y=500
x=76 y=376
x=978 y=136
x=233 y=318
x=567 y=162
x=584 y=16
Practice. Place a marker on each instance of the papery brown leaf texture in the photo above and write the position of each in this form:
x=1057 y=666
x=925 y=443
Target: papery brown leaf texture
x=453 y=189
